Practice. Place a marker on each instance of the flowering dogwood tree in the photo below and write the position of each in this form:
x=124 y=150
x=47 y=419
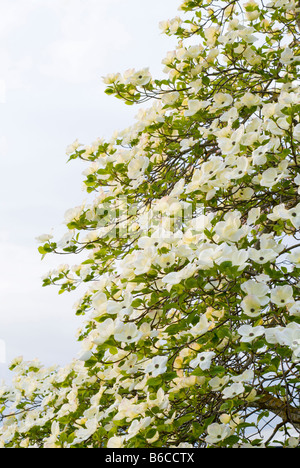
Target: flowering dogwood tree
x=191 y=333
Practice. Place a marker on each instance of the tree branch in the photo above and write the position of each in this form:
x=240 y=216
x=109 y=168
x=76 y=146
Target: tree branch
x=279 y=407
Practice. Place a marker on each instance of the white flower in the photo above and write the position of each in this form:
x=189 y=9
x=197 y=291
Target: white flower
x=241 y=168
x=146 y=242
x=211 y=35
x=230 y=229
x=157 y=366
x=162 y=400
x=249 y=333
x=233 y=390
x=268 y=110
x=66 y=240
x=83 y=434
x=267 y=241
x=139 y=78
x=130 y=364
x=73 y=147
x=296 y=132
x=259 y=155
x=271 y=334
x=137 y=426
x=246 y=34
x=178 y=188
x=55 y=431
x=282 y=122
x=250 y=100
x=164 y=25
x=206 y=256
x=99 y=302
x=222 y=100
x=252 y=15
x=251 y=56
x=217 y=433
x=143 y=261
x=202 y=326
x=279 y=212
x=174 y=24
x=273 y=128
x=262 y=256
x=293 y=442
x=230 y=115
x=294 y=216
x=128 y=409
x=111 y=78
x=168 y=206
x=116 y=442
x=172 y=278
x=194 y=51
x=258 y=290
x=232 y=254
x=127 y=333
x=218 y=383
x=44 y=238
x=137 y=166
x=229 y=38
x=231 y=144
x=290 y=336
x=246 y=376
x=86 y=349
x=254 y=215
x=104 y=331
x=203 y=360
x=194 y=106
x=294 y=309
x=251 y=306
x=205 y=174
x=73 y=214
x=287 y=56
x=169 y=98
x=121 y=308
x=187 y=143
x=166 y=260
x=282 y=295
x=273 y=175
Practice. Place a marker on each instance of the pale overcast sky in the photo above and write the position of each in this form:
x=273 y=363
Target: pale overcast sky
x=52 y=56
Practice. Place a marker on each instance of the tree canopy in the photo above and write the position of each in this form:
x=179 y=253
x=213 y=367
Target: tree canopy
x=191 y=245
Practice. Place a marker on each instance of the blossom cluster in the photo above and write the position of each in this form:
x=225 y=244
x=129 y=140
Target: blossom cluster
x=191 y=332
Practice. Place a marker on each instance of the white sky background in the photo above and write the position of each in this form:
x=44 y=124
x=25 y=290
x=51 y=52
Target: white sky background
x=52 y=56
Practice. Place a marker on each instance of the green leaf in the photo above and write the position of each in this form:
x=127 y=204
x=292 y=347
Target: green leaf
x=154 y=381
